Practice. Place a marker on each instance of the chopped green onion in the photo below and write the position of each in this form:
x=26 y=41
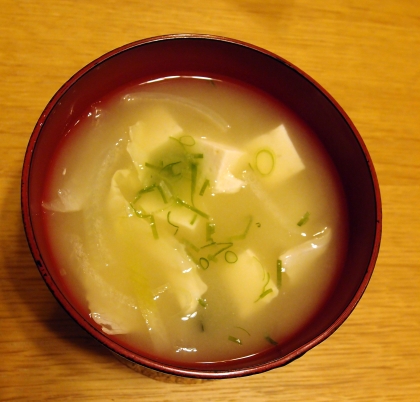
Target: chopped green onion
x=194 y=218
x=209 y=244
x=162 y=194
x=164 y=191
x=169 y=169
x=270 y=340
x=210 y=229
x=204 y=263
x=245 y=233
x=243 y=329
x=189 y=244
x=230 y=257
x=234 y=339
x=204 y=186
x=147 y=189
x=227 y=245
x=139 y=214
x=192 y=208
x=279 y=272
x=202 y=302
x=153 y=226
x=304 y=219
x=264 y=291
x=187 y=140
x=175 y=226
x=149 y=165
x=193 y=180
x=198 y=156
x=264 y=162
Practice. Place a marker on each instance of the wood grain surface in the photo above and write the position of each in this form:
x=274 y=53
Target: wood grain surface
x=365 y=53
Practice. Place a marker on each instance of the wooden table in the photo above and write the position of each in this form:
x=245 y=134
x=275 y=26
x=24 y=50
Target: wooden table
x=365 y=53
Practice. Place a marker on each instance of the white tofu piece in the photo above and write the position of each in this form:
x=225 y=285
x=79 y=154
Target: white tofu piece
x=216 y=166
x=248 y=284
x=297 y=261
x=150 y=133
x=274 y=156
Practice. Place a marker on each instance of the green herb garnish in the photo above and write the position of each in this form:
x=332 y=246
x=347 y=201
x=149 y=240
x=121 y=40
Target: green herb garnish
x=194 y=218
x=139 y=213
x=245 y=233
x=265 y=291
x=172 y=224
x=279 y=272
x=243 y=329
x=189 y=244
x=204 y=186
x=304 y=219
x=193 y=167
x=264 y=162
x=202 y=302
x=145 y=190
x=192 y=208
x=210 y=229
x=270 y=340
x=204 y=263
x=230 y=257
x=153 y=226
x=226 y=246
x=234 y=339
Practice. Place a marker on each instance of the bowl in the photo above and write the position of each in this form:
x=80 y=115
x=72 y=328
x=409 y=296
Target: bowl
x=211 y=56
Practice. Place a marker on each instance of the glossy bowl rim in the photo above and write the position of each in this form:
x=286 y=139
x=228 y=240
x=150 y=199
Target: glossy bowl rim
x=156 y=365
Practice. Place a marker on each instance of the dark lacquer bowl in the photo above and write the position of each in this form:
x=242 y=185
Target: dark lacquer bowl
x=216 y=56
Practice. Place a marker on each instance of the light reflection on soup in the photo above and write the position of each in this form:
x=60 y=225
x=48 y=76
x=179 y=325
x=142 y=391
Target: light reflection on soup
x=195 y=219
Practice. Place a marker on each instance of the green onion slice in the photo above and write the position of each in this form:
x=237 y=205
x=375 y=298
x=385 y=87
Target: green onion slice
x=194 y=218
x=234 y=339
x=243 y=329
x=153 y=226
x=139 y=213
x=270 y=340
x=210 y=229
x=204 y=263
x=202 y=302
x=230 y=257
x=192 y=208
x=265 y=291
x=304 y=219
x=264 y=162
x=193 y=167
x=172 y=224
x=279 y=272
x=204 y=187
x=225 y=247
x=245 y=233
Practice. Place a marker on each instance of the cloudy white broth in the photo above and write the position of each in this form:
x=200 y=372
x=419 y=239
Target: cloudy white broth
x=195 y=219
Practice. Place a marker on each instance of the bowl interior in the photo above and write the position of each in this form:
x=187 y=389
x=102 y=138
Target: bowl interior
x=178 y=55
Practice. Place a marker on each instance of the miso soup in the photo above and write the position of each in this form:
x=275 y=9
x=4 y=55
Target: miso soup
x=195 y=218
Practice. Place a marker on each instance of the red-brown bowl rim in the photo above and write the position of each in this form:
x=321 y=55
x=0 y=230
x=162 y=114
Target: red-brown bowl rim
x=193 y=373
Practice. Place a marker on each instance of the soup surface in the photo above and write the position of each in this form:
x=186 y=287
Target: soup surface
x=195 y=219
